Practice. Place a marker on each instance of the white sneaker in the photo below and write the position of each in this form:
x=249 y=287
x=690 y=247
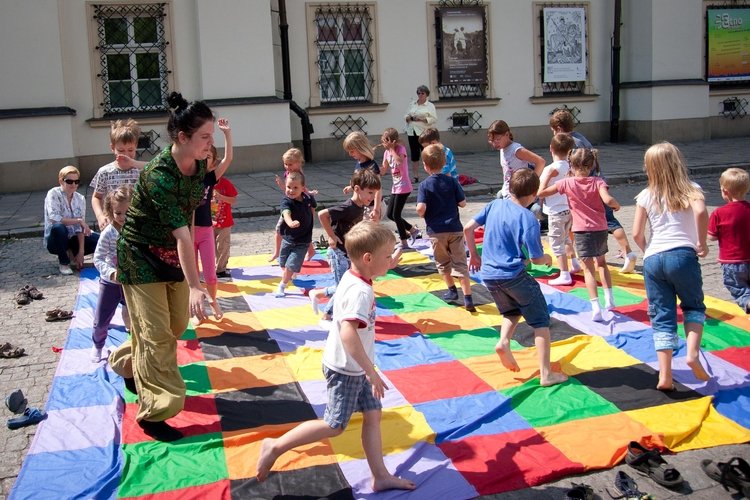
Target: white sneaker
x=65 y=270
x=561 y=280
x=96 y=354
x=629 y=265
x=280 y=292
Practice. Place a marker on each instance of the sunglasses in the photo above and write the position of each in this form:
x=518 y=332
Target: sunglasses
x=72 y=181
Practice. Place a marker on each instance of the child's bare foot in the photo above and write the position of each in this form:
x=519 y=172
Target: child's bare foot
x=265 y=460
x=392 y=483
x=506 y=356
x=697 y=367
x=665 y=385
x=552 y=379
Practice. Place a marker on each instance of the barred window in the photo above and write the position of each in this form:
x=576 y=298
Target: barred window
x=131 y=44
x=344 y=44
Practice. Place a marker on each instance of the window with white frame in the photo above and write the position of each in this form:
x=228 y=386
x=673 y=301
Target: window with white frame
x=343 y=40
x=562 y=64
x=132 y=46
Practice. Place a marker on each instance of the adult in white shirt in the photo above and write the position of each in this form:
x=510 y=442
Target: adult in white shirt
x=420 y=115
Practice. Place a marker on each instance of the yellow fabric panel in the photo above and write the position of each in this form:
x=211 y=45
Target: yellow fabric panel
x=429 y=283
x=489 y=315
x=305 y=363
x=251 y=371
x=400 y=427
x=728 y=312
x=491 y=371
x=249 y=260
x=690 y=425
x=584 y=353
x=408 y=258
x=288 y=317
x=399 y=286
x=232 y=322
x=445 y=319
x=613 y=432
x=256 y=287
x=242 y=448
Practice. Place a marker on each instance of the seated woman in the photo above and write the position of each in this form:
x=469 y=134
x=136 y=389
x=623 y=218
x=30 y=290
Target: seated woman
x=65 y=227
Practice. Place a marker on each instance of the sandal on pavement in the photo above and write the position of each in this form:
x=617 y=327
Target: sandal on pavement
x=626 y=487
x=33 y=292
x=8 y=350
x=16 y=401
x=58 y=315
x=650 y=463
x=734 y=474
x=30 y=416
x=22 y=297
x=580 y=492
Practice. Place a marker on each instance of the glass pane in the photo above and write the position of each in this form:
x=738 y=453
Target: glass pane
x=327 y=29
x=355 y=85
x=354 y=61
x=149 y=93
x=115 y=31
x=328 y=61
x=118 y=67
x=120 y=95
x=144 y=29
x=352 y=29
x=330 y=87
x=147 y=65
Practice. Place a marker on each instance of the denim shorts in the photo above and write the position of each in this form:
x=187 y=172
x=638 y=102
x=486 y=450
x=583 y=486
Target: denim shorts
x=612 y=223
x=668 y=275
x=520 y=296
x=347 y=394
x=590 y=243
x=292 y=255
x=737 y=281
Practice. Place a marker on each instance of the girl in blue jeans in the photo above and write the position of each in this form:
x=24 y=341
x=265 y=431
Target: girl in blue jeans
x=675 y=208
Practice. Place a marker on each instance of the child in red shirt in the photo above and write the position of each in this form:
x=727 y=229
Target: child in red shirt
x=225 y=195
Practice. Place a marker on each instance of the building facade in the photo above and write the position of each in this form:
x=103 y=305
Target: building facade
x=307 y=73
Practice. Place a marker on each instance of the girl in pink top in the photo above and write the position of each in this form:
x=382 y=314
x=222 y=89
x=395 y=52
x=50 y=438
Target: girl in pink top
x=394 y=161
x=585 y=196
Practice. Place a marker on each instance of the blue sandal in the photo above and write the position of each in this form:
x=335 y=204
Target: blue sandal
x=30 y=416
x=16 y=401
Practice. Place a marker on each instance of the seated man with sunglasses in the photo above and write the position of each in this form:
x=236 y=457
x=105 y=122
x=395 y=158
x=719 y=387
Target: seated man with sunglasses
x=66 y=233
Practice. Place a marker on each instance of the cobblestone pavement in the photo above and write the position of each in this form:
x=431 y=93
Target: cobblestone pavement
x=24 y=261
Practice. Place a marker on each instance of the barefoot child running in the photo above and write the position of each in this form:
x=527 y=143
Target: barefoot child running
x=585 y=196
x=348 y=361
x=509 y=229
x=675 y=208
x=116 y=205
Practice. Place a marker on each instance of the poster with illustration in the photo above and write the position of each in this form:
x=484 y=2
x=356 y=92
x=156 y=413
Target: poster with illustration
x=564 y=44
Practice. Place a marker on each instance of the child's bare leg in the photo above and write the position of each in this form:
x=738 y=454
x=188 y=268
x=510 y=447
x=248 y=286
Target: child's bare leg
x=546 y=376
x=502 y=348
x=306 y=432
x=606 y=278
x=310 y=252
x=665 y=370
x=694 y=332
x=591 y=286
x=286 y=277
x=373 y=446
x=465 y=285
x=276 y=247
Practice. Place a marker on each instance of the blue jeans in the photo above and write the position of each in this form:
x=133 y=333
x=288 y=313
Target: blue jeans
x=339 y=262
x=58 y=243
x=668 y=275
x=737 y=281
x=520 y=296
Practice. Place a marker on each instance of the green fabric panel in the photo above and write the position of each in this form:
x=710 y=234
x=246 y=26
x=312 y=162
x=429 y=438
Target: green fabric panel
x=189 y=333
x=557 y=404
x=196 y=379
x=464 y=344
x=390 y=275
x=540 y=271
x=411 y=303
x=622 y=297
x=154 y=467
x=718 y=335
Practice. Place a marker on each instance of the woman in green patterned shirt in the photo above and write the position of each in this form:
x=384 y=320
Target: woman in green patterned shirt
x=156 y=266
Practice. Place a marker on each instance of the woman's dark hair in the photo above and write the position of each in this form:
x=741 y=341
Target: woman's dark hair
x=186 y=117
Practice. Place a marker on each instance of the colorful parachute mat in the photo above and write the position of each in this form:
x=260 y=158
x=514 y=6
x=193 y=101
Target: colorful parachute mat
x=454 y=420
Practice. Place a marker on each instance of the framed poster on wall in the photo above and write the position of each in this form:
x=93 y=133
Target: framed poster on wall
x=728 y=44
x=564 y=44
x=462 y=57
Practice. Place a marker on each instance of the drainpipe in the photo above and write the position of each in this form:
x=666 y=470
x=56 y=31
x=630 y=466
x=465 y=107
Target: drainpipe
x=614 y=121
x=307 y=127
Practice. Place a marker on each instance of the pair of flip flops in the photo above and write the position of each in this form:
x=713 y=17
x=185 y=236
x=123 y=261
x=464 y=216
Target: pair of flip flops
x=649 y=462
x=734 y=474
x=8 y=350
x=26 y=293
x=58 y=314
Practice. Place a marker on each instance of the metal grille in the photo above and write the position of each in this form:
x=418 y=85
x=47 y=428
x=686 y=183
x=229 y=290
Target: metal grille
x=343 y=126
x=734 y=107
x=464 y=90
x=132 y=54
x=575 y=111
x=344 y=41
x=557 y=88
x=465 y=121
x=147 y=144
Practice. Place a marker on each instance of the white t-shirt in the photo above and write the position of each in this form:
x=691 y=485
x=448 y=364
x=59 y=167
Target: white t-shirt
x=353 y=300
x=557 y=202
x=668 y=229
x=510 y=163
